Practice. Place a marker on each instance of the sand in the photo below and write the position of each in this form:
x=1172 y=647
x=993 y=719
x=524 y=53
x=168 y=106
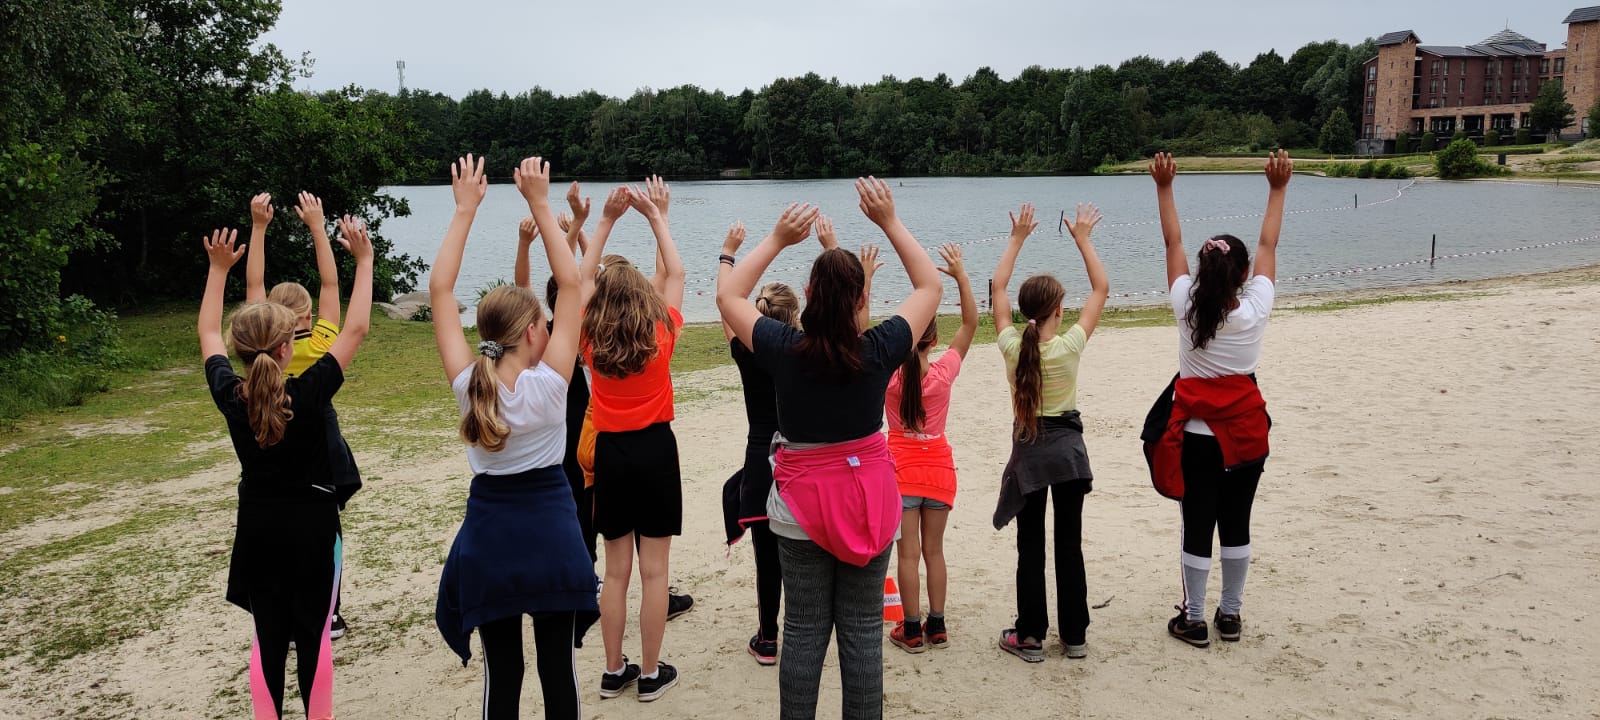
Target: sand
x=1426 y=541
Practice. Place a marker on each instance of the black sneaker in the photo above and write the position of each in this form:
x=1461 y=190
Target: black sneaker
x=652 y=688
x=337 y=628
x=678 y=604
x=613 y=685
x=1228 y=626
x=764 y=651
x=1194 y=633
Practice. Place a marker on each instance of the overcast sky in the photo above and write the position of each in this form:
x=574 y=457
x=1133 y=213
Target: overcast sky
x=617 y=46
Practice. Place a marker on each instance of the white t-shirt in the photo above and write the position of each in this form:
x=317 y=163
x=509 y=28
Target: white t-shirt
x=536 y=413
x=1236 y=349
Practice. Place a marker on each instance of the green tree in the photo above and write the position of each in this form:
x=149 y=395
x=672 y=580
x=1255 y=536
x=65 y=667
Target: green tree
x=1594 y=120
x=1460 y=160
x=1338 y=135
x=1551 y=112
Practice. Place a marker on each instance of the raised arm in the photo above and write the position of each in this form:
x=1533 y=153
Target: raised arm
x=533 y=180
x=1022 y=225
x=923 y=303
x=527 y=230
x=573 y=227
x=1163 y=170
x=310 y=212
x=669 y=276
x=955 y=268
x=222 y=254
x=1279 y=169
x=870 y=264
x=616 y=206
x=1081 y=226
x=735 y=283
x=255 y=267
x=730 y=248
x=353 y=236
x=468 y=185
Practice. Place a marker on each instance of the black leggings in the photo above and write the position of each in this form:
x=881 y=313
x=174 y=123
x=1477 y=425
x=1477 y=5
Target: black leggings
x=1072 y=591
x=502 y=665
x=769 y=577
x=1214 y=498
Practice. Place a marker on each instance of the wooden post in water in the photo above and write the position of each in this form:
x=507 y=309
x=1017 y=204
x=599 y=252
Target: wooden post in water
x=1432 y=249
x=1358 y=201
x=1062 y=222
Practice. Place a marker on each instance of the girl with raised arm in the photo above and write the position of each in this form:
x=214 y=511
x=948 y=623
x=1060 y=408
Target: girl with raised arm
x=630 y=326
x=1047 y=451
x=1206 y=439
x=518 y=551
x=286 y=549
x=917 y=404
x=834 y=504
x=779 y=302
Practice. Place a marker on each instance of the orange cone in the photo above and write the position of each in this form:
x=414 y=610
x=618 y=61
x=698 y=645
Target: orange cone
x=893 y=611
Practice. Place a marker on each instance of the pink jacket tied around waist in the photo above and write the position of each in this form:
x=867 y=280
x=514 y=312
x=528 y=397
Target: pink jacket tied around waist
x=843 y=495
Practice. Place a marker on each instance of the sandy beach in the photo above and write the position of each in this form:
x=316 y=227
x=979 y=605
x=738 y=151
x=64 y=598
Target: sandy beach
x=1426 y=535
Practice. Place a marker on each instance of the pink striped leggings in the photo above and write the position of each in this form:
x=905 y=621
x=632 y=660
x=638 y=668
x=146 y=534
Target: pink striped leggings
x=302 y=615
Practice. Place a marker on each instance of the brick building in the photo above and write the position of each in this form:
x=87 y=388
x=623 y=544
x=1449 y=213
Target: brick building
x=1416 y=88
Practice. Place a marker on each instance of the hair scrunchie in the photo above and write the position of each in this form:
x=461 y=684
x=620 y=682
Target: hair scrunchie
x=491 y=349
x=1217 y=244
x=1032 y=321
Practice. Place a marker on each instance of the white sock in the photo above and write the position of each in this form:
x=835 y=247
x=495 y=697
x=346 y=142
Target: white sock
x=1195 y=571
x=653 y=675
x=1235 y=565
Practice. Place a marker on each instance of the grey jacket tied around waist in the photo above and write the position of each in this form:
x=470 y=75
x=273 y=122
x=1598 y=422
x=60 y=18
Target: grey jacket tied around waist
x=1057 y=455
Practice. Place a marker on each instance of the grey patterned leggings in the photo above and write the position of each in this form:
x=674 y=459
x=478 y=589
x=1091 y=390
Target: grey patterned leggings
x=822 y=594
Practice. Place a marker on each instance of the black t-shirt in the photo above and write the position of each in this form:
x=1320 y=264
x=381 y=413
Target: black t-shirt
x=813 y=408
x=297 y=466
x=760 y=399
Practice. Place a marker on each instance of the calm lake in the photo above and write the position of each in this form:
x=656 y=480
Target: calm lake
x=1327 y=243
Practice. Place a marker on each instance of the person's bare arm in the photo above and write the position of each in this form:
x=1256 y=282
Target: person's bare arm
x=1022 y=225
x=735 y=283
x=1163 y=170
x=353 y=236
x=870 y=264
x=310 y=212
x=955 y=268
x=670 y=276
x=919 y=308
x=222 y=254
x=1279 y=169
x=255 y=266
x=533 y=181
x=521 y=273
x=1081 y=226
x=468 y=184
x=616 y=206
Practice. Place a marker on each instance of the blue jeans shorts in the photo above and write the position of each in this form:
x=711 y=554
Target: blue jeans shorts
x=912 y=502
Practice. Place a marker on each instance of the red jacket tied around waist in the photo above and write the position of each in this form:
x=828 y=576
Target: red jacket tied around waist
x=1231 y=406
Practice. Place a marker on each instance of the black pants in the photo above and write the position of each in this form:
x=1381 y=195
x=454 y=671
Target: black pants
x=1072 y=590
x=503 y=667
x=1213 y=498
x=769 y=577
x=584 y=498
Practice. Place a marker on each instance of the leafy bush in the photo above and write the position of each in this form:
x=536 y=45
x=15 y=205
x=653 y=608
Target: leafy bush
x=485 y=290
x=1430 y=142
x=423 y=314
x=1491 y=138
x=1460 y=135
x=1460 y=160
x=1524 y=136
x=1402 y=143
x=1594 y=120
x=1338 y=134
x=1388 y=170
x=1364 y=170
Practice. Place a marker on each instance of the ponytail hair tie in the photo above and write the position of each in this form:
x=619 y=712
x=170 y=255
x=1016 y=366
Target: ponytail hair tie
x=491 y=349
x=1217 y=244
x=1032 y=321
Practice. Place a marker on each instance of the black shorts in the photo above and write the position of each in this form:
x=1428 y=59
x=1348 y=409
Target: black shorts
x=637 y=485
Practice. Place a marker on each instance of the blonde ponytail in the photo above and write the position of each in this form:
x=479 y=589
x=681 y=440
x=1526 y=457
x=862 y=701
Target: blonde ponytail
x=481 y=425
x=256 y=332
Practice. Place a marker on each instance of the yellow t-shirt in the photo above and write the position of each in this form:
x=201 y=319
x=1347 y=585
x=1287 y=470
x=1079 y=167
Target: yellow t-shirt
x=311 y=345
x=1058 y=360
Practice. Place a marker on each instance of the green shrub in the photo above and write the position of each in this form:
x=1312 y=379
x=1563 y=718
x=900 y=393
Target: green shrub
x=423 y=314
x=1460 y=160
x=1594 y=120
x=1460 y=135
x=1430 y=142
x=1402 y=143
x=1524 y=136
x=1491 y=138
x=1365 y=169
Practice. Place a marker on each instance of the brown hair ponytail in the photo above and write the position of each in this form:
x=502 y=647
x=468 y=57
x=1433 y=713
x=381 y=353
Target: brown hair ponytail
x=256 y=331
x=912 y=413
x=1216 y=284
x=503 y=319
x=832 y=342
x=1038 y=298
x=778 y=301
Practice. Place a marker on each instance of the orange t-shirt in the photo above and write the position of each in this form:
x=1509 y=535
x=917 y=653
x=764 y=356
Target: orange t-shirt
x=640 y=400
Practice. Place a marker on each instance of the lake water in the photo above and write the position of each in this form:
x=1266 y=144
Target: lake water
x=1327 y=244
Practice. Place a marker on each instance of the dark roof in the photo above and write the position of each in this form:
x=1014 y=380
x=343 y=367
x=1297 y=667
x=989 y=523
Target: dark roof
x=1395 y=38
x=1506 y=50
x=1450 y=51
x=1512 y=37
x=1588 y=14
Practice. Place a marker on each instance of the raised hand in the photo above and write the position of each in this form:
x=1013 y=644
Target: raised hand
x=1022 y=223
x=220 y=249
x=468 y=183
x=869 y=260
x=527 y=230
x=876 y=200
x=616 y=203
x=565 y=221
x=580 y=206
x=825 y=233
x=353 y=236
x=532 y=178
x=642 y=202
x=261 y=209
x=309 y=211
x=1162 y=169
x=794 y=225
x=953 y=266
x=1080 y=226
x=660 y=193
x=736 y=235
x=1279 y=169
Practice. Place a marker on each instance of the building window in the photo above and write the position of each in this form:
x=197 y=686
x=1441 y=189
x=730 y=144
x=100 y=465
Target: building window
x=1366 y=131
x=1433 y=102
x=1544 y=66
x=1519 y=67
x=1463 y=85
x=1372 y=89
x=1561 y=65
x=1372 y=72
x=1460 y=102
x=1433 y=86
x=1435 y=67
x=1371 y=107
x=1463 y=67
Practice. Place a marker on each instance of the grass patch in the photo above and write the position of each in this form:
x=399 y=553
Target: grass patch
x=1337 y=305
